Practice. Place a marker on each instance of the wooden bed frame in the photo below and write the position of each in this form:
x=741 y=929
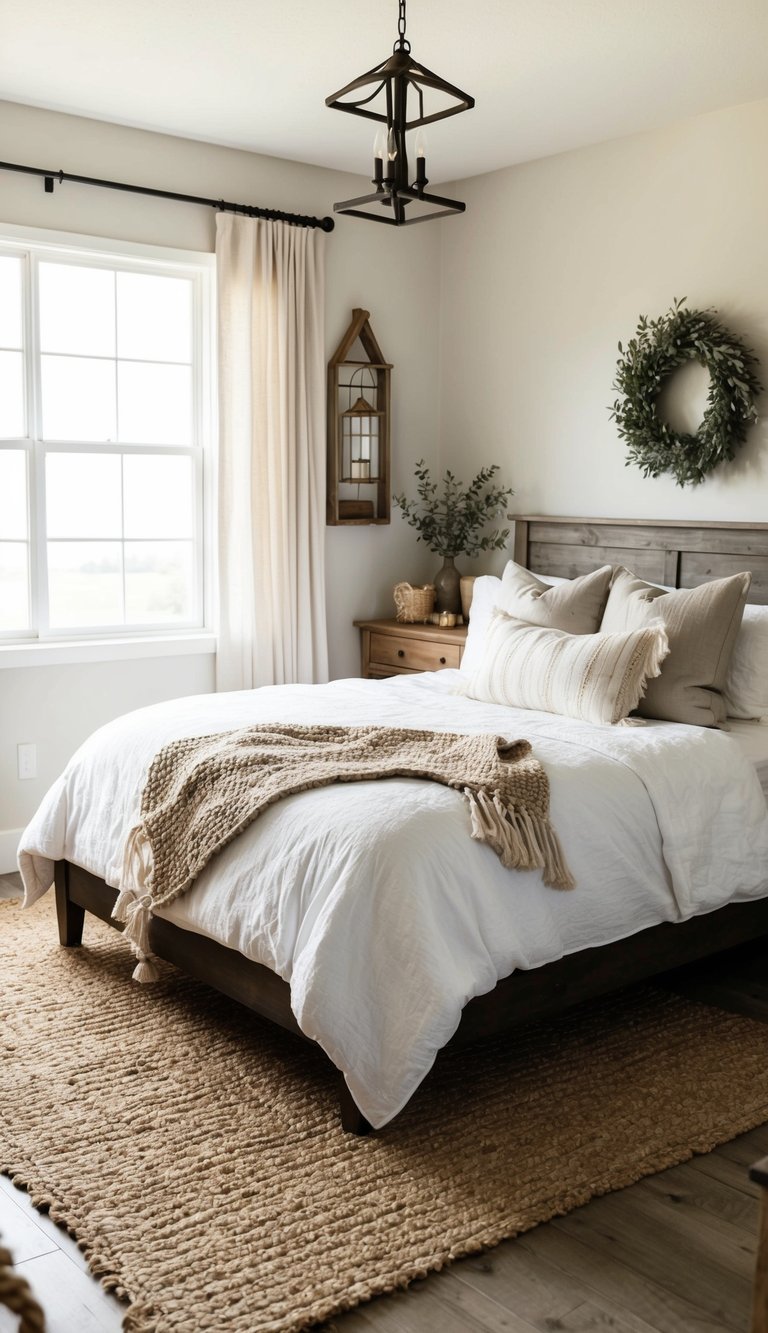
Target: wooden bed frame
x=678 y=554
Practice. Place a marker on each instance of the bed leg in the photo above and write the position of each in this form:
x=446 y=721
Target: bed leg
x=352 y=1119
x=70 y=916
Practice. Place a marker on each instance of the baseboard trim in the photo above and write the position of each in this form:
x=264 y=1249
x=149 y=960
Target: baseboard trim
x=9 y=841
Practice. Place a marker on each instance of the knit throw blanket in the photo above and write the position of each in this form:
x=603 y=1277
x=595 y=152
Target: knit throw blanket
x=202 y=791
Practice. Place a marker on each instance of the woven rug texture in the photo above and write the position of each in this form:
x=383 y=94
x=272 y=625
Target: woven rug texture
x=196 y=1154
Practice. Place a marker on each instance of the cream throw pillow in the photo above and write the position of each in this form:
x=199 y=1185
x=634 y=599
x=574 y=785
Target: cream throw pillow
x=595 y=677
x=575 y=605
x=701 y=623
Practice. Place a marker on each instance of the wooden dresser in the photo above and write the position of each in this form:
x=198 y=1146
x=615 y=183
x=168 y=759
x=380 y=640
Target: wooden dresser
x=389 y=648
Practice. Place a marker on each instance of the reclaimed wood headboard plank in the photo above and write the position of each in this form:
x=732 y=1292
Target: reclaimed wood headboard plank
x=680 y=554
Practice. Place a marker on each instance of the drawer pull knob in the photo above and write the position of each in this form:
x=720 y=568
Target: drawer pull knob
x=401 y=652
x=442 y=661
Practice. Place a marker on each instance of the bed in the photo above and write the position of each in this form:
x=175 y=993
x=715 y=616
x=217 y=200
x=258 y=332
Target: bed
x=591 y=947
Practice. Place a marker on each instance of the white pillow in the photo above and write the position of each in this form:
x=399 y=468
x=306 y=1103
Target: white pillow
x=746 y=686
x=596 y=677
x=486 y=592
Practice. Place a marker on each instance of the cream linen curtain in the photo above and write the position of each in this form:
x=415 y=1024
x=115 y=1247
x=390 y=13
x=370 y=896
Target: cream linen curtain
x=271 y=500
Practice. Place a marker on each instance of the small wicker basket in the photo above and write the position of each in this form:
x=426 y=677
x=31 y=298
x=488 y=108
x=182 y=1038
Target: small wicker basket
x=413 y=604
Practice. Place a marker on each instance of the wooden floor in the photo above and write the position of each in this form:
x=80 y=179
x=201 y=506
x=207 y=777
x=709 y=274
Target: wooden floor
x=672 y=1254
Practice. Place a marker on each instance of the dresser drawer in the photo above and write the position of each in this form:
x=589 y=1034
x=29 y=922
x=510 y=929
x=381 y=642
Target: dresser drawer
x=413 y=654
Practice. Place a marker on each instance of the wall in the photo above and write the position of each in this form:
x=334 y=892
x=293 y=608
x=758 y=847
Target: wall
x=555 y=262
x=392 y=273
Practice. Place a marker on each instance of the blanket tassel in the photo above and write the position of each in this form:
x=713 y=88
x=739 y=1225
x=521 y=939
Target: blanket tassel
x=133 y=907
x=520 y=841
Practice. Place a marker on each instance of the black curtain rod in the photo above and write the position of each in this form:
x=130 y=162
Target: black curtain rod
x=249 y=210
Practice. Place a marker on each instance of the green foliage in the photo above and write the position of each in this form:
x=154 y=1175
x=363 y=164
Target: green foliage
x=659 y=347
x=450 y=518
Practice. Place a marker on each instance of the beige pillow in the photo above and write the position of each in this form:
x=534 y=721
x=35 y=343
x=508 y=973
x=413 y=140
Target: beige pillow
x=596 y=677
x=575 y=605
x=701 y=623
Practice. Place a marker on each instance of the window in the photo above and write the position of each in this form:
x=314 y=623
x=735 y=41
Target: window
x=104 y=405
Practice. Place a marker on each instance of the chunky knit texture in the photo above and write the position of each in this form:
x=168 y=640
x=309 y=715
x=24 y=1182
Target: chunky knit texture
x=202 y=791
x=195 y=1150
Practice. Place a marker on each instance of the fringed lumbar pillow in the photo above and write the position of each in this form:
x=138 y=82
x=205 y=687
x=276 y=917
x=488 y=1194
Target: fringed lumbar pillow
x=596 y=677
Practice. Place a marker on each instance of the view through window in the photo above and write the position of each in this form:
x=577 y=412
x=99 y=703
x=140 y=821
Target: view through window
x=102 y=411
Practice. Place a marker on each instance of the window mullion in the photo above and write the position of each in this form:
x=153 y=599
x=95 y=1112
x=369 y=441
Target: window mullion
x=38 y=554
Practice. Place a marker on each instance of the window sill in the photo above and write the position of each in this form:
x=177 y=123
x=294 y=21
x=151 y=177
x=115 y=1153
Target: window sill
x=67 y=652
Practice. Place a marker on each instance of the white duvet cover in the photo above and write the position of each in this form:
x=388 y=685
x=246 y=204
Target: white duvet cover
x=372 y=900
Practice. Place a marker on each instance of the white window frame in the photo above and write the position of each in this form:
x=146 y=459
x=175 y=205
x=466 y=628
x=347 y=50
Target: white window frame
x=35 y=245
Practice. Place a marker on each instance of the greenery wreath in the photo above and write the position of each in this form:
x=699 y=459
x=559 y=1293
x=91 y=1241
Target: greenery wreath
x=658 y=348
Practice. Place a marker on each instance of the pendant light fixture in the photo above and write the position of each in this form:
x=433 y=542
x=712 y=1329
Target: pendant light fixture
x=402 y=96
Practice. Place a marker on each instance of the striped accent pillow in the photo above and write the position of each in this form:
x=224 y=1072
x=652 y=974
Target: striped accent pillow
x=596 y=677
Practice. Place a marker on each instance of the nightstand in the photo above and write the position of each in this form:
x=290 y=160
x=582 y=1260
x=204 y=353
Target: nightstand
x=393 y=648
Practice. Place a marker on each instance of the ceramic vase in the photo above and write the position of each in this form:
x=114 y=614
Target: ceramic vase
x=447 y=587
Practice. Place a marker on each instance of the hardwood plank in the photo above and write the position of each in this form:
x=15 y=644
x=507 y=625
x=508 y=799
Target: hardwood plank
x=477 y=1309
x=592 y=1317
x=644 y=1239
x=55 y=1236
x=628 y=1288
x=445 y=1304
x=517 y=1280
x=747 y=1148
x=683 y=1188
x=21 y=1234
x=70 y=1298
x=381 y=1314
x=760 y=1292
x=729 y=1173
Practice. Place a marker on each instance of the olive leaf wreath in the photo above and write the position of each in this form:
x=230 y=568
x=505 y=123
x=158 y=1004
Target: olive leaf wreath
x=659 y=347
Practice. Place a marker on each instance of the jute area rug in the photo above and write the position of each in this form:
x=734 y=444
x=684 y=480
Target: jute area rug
x=195 y=1152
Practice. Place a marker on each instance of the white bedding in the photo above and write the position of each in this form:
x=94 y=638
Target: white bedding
x=752 y=740
x=372 y=900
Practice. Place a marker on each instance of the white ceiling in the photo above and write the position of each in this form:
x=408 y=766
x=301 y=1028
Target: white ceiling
x=547 y=75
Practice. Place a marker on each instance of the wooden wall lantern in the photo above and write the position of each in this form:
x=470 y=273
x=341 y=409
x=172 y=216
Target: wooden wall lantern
x=358 y=428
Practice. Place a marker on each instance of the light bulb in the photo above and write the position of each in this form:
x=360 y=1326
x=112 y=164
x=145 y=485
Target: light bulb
x=380 y=143
x=421 y=144
x=391 y=145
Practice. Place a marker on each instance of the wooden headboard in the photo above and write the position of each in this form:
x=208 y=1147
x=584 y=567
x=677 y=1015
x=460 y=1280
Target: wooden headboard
x=679 y=554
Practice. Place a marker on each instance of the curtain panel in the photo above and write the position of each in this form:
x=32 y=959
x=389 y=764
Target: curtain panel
x=271 y=471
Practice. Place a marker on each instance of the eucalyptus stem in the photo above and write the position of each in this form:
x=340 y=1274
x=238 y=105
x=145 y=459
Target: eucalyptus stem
x=451 y=518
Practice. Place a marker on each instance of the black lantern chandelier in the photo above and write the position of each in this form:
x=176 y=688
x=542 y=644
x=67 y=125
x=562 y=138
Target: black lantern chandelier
x=401 y=95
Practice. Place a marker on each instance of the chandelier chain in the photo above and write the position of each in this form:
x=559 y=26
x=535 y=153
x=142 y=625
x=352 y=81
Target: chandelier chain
x=401 y=21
